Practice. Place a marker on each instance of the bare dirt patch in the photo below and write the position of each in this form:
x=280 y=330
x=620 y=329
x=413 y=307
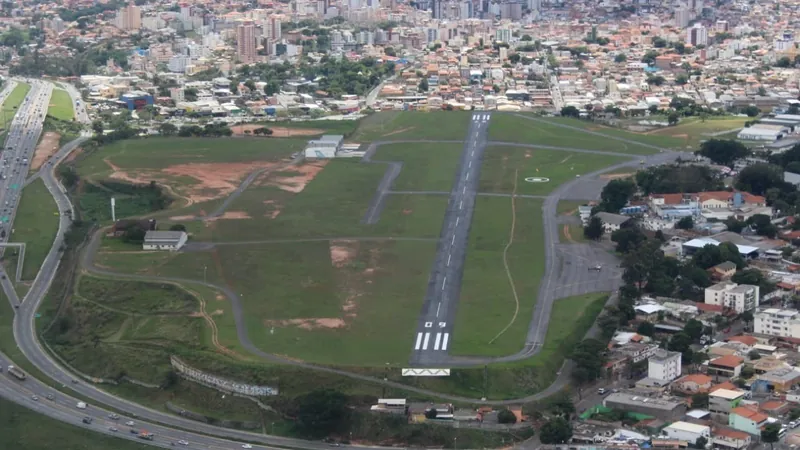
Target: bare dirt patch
x=239 y=130
x=273 y=209
x=310 y=324
x=297 y=178
x=528 y=154
x=402 y=130
x=342 y=252
x=232 y=215
x=46 y=148
x=215 y=180
x=616 y=176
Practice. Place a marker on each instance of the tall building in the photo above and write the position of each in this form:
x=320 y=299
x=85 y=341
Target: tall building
x=273 y=28
x=436 y=9
x=697 y=35
x=682 y=17
x=246 y=42
x=664 y=366
x=502 y=35
x=736 y=297
x=129 y=18
x=535 y=5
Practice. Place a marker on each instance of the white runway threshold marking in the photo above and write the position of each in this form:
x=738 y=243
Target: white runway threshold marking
x=419 y=341
x=444 y=341
x=437 y=341
x=425 y=341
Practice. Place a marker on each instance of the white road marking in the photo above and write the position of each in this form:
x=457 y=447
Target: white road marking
x=470 y=164
x=467 y=176
x=461 y=204
x=473 y=153
x=453 y=241
x=444 y=282
x=436 y=342
x=444 y=341
x=448 y=259
x=425 y=341
x=464 y=191
x=419 y=341
x=437 y=309
x=457 y=219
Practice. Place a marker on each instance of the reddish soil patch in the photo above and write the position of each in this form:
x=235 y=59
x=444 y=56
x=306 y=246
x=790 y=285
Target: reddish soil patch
x=215 y=180
x=296 y=183
x=74 y=154
x=528 y=154
x=402 y=130
x=407 y=211
x=342 y=252
x=239 y=130
x=310 y=324
x=180 y=218
x=274 y=209
x=46 y=148
x=232 y=215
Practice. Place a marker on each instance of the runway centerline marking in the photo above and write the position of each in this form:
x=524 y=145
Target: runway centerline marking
x=467 y=176
x=453 y=241
x=425 y=341
x=461 y=204
x=457 y=219
x=437 y=309
x=444 y=282
x=448 y=259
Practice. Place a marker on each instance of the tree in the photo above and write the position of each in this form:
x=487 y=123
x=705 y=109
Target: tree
x=735 y=225
x=723 y=151
x=594 y=229
x=686 y=223
x=783 y=62
x=759 y=178
x=700 y=400
x=589 y=360
x=506 y=416
x=681 y=79
x=752 y=111
x=134 y=235
x=423 y=85
x=570 y=111
x=322 y=411
x=693 y=329
x=496 y=88
x=616 y=195
x=746 y=317
x=526 y=38
x=627 y=239
x=754 y=355
x=679 y=342
x=620 y=58
x=673 y=118
x=701 y=442
x=97 y=127
x=389 y=51
x=431 y=414
x=555 y=431
x=167 y=129
x=771 y=434
x=646 y=329
x=177 y=227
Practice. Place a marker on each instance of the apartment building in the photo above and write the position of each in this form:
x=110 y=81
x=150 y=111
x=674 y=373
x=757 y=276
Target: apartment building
x=664 y=366
x=722 y=401
x=739 y=298
x=777 y=322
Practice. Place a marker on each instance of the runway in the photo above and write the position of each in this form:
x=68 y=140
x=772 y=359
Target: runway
x=435 y=325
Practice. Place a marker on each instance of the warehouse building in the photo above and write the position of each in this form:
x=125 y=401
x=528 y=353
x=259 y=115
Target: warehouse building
x=657 y=407
x=327 y=146
x=164 y=240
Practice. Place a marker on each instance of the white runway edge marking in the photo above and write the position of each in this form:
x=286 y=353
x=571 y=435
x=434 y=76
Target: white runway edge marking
x=419 y=341
x=437 y=341
x=444 y=341
x=425 y=341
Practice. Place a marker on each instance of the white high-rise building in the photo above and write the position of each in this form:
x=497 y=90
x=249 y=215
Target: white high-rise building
x=664 y=366
x=246 y=42
x=502 y=35
x=736 y=297
x=697 y=35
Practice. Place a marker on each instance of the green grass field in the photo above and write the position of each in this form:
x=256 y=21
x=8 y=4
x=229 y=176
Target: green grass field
x=501 y=163
x=35 y=224
x=513 y=128
x=487 y=303
x=426 y=167
x=345 y=127
x=413 y=125
x=29 y=430
x=572 y=233
x=61 y=105
x=568 y=207
x=649 y=139
x=9 y=108
x=692 y=130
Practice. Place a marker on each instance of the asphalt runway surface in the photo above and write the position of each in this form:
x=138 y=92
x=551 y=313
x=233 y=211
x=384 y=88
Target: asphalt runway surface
x=435 y=325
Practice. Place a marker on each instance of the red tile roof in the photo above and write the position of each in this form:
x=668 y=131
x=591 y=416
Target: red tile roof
x=730 y=361
x=748 y=413
x=726 y=385
x=746 y=340
x=707 y=307
x=698 y=378
x=729 y=433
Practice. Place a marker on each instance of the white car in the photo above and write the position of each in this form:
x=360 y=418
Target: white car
x=130 y=423
x=247 y=446
x=182 y=442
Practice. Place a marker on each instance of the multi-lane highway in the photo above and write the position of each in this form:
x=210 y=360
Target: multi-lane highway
x=436 y=322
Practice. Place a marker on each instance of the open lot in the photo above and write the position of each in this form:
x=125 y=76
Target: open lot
x=513 y=128
x=502 y=163
x=412 y=125
x=61 y=105
x=13 y=101
x=665 y=141
x=692 y=130
x=36 y=224
x=488 y=303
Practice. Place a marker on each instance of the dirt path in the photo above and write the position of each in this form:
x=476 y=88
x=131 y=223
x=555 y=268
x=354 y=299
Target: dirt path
x=47 y=147
x=239 y=130
x=505 y=258
x=213 y=325
x=567 y=234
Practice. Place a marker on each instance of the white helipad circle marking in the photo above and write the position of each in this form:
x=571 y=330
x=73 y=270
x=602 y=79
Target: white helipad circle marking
x=537 y=179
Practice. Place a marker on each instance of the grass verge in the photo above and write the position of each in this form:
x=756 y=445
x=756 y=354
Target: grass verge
x=35 y=224
x=413 y=125
x=61 y=105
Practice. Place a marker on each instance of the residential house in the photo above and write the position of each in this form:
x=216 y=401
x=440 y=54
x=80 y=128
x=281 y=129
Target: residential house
x=747 y=420
x=775 y=408
x=722 y=401
x=730 y=439
x=613 y=222
x=685 y=431
x=725 y=367
x=692 y=384
x=739 y=298
x=722 y=271
x=780 y=380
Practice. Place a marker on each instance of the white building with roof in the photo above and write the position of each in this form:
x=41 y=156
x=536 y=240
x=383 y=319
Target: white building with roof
x=777 y=322
x=664 y=366
x=685 y=431
x=738 y=297
x=327 y=146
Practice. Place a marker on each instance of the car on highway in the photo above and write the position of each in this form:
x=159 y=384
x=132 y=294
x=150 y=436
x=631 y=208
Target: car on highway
x=51 y=397
x=130 y=423
x=597 y=268
x=247 y=446
x=182 y=442
x=87 y=420
x=34 y=398
x=113 y=416
x=114 y=429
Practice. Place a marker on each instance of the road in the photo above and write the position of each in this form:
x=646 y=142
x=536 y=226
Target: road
x=438 y=316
